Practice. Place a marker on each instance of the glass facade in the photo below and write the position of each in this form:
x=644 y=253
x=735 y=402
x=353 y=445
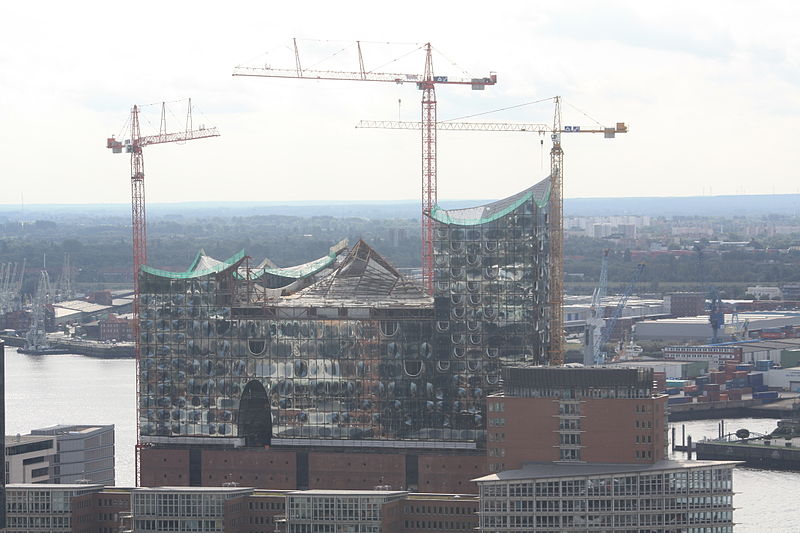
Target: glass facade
x=490 y=280
x=358 y=354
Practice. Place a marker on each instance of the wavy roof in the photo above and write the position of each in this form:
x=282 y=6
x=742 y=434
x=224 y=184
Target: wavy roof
x=472 y=216
x=203 y=265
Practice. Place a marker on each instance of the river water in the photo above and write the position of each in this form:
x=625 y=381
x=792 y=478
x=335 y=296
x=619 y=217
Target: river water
x=73 y=389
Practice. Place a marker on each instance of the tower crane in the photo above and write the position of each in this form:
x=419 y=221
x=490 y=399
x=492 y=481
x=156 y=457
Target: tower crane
x=556 y=209
x=426 y=82
x=134 y=146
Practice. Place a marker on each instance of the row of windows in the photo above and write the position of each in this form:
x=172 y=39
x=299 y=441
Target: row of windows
x=689 y=480
x=607 y=520
x=438 y=509
x=556 y=505
x=578 y=394
x=204 y=526
x=439 y=524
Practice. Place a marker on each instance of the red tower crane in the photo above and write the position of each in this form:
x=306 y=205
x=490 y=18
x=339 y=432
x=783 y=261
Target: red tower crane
x=426 y=83
x=556 y=218
x=134 y=147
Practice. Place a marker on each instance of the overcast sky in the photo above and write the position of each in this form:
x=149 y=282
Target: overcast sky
x=709 y=90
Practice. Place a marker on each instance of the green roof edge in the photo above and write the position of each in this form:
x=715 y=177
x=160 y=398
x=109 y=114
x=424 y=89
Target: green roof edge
x=189 y=274
x=295 y=272
x=440 y=215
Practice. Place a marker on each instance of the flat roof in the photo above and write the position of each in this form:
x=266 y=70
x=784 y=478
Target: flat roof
x=13 y=440
x=194 y=489
x=648 y=363
x=565 y=470
x=61 y=429
x=703 y=319
x=55 y=486
x=82 y=306
x=341 y=492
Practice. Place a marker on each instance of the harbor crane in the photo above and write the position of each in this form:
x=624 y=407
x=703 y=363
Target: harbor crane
x=134 y=146
x=595 y=320
x=716 y=314
x=597 y=348
x=556 y=210
x=426 y=82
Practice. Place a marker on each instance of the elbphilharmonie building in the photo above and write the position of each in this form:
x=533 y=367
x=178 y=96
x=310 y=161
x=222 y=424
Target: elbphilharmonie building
x=344 y=352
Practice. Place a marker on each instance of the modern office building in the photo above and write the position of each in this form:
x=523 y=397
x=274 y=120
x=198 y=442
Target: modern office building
x=664 y=497
x=84 y=453
x=97 y=509
x=29 y=458
x=342 y=354
x=48 y=507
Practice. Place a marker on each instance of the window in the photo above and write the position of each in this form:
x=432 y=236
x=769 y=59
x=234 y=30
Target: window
x=497 y=422
x=570 y=438
x=569 y=454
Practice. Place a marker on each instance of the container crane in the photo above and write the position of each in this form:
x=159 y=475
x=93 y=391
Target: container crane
x=556 y=210
x=716 y=315
x=425 y=82
x=595 y=320
x=134 y=146
x=599 y=355
x=36 y=337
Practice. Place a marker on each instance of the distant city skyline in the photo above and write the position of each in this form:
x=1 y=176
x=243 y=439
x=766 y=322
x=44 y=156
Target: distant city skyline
x=702 y=90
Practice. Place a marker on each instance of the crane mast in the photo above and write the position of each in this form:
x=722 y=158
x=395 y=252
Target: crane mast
x=138 y=217
x=429 y=178
x=134 y=147
x=556 y=238
x=426 y=83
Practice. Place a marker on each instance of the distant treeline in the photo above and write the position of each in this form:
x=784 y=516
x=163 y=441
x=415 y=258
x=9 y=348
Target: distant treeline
x=100 y=249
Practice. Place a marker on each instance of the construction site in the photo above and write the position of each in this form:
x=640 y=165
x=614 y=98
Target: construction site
x=342 y=361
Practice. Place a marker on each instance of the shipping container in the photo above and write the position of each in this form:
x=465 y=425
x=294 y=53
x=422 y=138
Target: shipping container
x=765 y=395
x=678 y=400
x=763 y=365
